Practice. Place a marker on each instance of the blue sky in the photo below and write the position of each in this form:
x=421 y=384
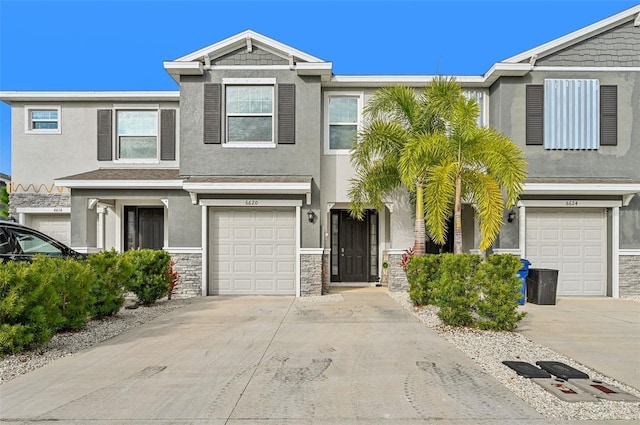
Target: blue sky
x=120 y=45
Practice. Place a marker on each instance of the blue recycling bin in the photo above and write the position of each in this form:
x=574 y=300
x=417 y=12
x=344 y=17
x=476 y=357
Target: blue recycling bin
x=522 y=275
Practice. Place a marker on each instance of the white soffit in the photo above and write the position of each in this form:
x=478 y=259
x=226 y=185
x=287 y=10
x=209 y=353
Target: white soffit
x=618 y=189
x=250 y=188
x=61 y=96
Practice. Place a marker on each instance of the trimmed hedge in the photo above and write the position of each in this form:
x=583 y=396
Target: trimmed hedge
x=470 y=290
x=50 y=294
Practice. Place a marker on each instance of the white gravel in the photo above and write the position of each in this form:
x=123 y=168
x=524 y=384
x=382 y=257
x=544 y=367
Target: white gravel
x=489 y=348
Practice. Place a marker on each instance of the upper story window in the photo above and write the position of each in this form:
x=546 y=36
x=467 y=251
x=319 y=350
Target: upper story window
x=343 y=118
x=42 y=120
x=479 y=96
x=249 y=112
x=137 y=134
x=571 y=114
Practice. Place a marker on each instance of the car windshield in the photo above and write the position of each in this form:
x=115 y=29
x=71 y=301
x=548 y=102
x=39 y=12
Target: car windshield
x=33 y=244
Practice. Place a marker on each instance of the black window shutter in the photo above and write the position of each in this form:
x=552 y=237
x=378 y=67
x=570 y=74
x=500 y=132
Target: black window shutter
x=212 y=113
x=105 y=137
x=168 y=134
x=286 y=113
x=535 y=114
x=608 y=115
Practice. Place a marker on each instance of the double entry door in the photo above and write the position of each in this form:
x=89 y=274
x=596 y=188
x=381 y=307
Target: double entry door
x=354 y=247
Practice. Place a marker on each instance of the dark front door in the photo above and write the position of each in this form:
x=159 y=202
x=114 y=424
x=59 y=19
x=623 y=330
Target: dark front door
x=353 y=247
x=144 y=227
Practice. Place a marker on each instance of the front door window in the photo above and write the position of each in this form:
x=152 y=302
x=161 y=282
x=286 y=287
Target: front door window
x=144 y=227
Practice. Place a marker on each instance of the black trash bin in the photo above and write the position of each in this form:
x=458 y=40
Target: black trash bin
x=542 y=285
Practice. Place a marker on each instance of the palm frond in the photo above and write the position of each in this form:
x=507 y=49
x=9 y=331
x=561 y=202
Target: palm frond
x=440 y=189
x=486 y=195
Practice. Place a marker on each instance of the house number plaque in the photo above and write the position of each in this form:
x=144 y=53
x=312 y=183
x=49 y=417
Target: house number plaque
x=251 y=202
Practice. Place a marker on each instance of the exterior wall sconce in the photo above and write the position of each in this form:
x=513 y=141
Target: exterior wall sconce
x=311 y=215
x=511 y=216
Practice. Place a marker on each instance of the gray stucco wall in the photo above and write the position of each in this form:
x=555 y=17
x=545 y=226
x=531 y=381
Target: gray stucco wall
x=630 y=224
x=508 y=116
x=185 y=221
x=299 y=159
x=619 y=46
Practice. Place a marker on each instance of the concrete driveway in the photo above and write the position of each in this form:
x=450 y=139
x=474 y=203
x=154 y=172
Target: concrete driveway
x=361 y=359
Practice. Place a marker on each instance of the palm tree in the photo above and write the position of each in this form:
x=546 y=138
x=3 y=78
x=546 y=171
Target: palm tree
x=394 y=117
x=465 y=162
x=429 y=142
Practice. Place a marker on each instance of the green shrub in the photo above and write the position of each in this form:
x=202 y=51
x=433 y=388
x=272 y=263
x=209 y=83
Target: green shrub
x=30 y=311
x=72 y=280
x=112 y=272
x=422 y=273
x=151 y=279
x=500 y=288
x=456 y=292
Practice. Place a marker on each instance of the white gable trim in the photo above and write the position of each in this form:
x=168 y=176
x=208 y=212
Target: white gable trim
x=241 y=40
x=579 y=35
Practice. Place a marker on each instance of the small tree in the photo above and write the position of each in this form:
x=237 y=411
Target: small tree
x=4 y=202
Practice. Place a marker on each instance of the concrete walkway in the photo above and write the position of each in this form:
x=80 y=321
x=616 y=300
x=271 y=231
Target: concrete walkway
x=269 y=360
x=601 y=333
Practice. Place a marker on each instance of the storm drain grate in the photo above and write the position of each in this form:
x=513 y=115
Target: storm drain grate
x=562 y=370
x=526 y=369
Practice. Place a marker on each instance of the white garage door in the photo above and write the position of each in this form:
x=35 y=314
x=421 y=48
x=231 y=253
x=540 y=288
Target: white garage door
x=58 y=226
x=573 y=241
x=252 y=251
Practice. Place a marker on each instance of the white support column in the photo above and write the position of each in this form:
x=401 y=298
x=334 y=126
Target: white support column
x=615 y=252
x=522 y=230
x=100 y=234
x=298 y=241
x=205 y=249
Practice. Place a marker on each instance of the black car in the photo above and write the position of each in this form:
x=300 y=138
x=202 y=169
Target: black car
x=21 y=243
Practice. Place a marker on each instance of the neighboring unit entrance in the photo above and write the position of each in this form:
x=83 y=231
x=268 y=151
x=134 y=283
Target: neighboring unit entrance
x=354 y=247
x=572 y=241
x=58 y=226
x=144 y=227
x=252 y=251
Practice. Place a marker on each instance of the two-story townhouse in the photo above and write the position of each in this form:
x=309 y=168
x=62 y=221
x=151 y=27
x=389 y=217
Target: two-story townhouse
x=242 y=174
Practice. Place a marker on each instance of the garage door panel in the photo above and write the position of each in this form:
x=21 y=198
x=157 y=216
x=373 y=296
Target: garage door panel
x=57 y=226
x=260 y=254
x=579 y=253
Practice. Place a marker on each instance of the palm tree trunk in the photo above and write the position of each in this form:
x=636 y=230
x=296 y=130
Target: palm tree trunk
x=457 y=217
x=419 y=229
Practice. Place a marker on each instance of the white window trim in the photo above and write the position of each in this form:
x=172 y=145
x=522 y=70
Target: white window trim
x=267 y=82
x=328 y=95
x=116 y=142
x=27 y=119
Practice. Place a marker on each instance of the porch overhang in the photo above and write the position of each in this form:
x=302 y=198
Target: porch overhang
x=250 y=185
x=123 y=178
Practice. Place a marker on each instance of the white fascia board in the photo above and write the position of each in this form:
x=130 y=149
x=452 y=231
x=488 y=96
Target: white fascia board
x=502 y=69
x=183 y=68
x=60 y=96
x=386 y=80
x=119 y=184
x=313 y=68
x=580 y=189
x=577 y=36
x=240 y=39
x=247 y=188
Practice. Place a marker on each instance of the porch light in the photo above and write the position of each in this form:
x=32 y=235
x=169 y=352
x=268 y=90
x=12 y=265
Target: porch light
x=311 y=215
x=511 y=216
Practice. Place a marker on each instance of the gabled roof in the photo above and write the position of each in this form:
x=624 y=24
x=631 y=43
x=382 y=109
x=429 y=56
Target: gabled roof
x=631 y=14
x=195 y=62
